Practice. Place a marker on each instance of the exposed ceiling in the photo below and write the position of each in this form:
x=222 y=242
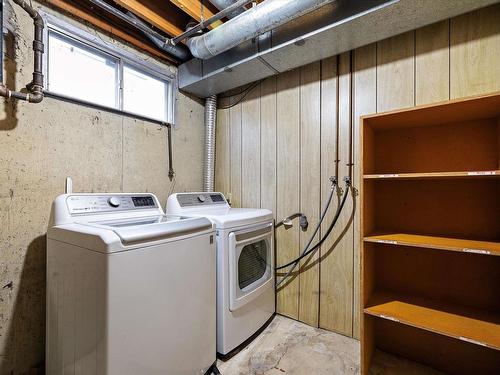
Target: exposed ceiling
x=168 y=17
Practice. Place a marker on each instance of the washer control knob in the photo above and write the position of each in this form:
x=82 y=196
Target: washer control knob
x=114 y=201
x=201 y=198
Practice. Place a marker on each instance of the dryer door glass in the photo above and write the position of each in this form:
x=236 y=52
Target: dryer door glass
x=252 y=263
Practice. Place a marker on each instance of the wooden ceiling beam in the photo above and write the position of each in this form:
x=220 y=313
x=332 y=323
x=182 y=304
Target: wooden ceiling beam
x=196 y=9
x=150 y=15
x=97 y=22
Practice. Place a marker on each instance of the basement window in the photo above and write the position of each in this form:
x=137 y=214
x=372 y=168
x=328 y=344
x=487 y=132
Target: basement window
x=82 y=68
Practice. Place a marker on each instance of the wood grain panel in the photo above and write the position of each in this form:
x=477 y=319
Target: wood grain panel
x=339 y=245
x=250 y=150
x=415 y=67
x=395 y=72
x=365 y=102
x=288 y=197
x=329 y=132
x=223 y=149
x=236 y=145
x=474 y=52
x=268 y=145
x=310 y=169
x=432 y=63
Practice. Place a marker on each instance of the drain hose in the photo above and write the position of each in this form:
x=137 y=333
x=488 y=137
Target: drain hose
x=307 y=251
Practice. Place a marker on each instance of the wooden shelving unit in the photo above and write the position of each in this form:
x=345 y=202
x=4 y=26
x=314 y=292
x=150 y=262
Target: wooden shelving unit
x=461 y=322
x=434 y=175
x=431 y=235
x=434 y=242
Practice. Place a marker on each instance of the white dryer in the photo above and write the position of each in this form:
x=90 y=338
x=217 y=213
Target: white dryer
x=129 y=290
x=245 y=264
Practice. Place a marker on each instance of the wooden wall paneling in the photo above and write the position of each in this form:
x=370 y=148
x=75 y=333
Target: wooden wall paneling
x=268 y=144
x=365 y=102
x=395 y=72
x=340 y=242
x=223 y=149
x=310 y=186
x=344 y=231
x=250 y=149
x=329 y=147
x=474 y=52
x=288 y=180
x=432 y=63
x=236 y=143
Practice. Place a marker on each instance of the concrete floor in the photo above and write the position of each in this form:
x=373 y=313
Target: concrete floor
x=290 y=347
x=293 y=348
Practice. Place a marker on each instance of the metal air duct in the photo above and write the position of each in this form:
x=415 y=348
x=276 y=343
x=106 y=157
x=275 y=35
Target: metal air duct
x=253 y=22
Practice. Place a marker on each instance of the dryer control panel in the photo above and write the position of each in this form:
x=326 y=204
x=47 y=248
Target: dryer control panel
x=92 y=203
x=200 y=199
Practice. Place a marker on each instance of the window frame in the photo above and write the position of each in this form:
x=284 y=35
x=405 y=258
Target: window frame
x=68 y=31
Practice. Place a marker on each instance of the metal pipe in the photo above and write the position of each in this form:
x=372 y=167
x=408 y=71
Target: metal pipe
x=209 y=164
x=1 y=42
x=180 y=52
x=35 y=87
x=224 y=4
x=162 y=43
x=171 y=172
x=264 y=17
x=204 y=24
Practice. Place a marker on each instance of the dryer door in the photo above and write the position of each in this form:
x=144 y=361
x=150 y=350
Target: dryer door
x=251 y=259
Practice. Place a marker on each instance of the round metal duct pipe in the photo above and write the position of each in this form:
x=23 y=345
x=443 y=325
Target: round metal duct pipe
x=210 y=121
x=251 y=23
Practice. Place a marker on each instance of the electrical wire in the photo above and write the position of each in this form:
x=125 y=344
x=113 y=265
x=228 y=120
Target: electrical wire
x=320 y=242
x=246 y=92
x=249 y=87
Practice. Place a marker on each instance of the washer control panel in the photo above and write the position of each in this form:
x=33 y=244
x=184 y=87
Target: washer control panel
x=83 y=204
x=200 y=199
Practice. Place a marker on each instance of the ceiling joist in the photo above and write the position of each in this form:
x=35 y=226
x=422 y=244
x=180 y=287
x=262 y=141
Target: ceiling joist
x=151 y=15
x=196 y=9
x=99 y=23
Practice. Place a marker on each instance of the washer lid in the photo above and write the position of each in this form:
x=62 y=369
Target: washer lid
x=128 y=234
x=140 y=230
x=235 y=217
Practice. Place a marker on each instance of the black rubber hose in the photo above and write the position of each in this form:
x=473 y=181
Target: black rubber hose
x=330 y=228
x=323 y=214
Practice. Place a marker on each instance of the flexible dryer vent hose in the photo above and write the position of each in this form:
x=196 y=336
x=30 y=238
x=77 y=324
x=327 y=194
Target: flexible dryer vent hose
x=209 y=165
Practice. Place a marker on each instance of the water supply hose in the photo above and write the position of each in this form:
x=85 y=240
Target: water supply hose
x=307 y=251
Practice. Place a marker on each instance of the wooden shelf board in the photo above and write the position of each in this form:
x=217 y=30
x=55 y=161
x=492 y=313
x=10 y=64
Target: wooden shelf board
x=439 y=243
x=433 y=175
x=460 y=322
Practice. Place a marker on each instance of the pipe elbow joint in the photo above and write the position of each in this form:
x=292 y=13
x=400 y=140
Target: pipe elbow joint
x=198 y=47
x=36 y=95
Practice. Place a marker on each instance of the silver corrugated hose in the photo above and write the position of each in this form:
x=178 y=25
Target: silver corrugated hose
x=210 y=119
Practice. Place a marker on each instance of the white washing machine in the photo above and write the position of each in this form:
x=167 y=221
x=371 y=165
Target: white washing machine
x=129 y=290
x=245 y=264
